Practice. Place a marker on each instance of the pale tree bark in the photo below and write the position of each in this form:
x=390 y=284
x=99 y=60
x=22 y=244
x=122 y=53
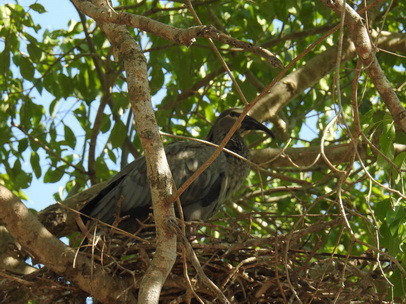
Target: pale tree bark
x=65 y=261
x=366 y=53
x=158 y=172
x=306 y=158
x=315 y=69
x=12 y=255
x=310 y=157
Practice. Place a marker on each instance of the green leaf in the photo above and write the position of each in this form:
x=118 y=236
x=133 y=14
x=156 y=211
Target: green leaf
x=209 y=113
x=82 y=117
x=35 y=52
x=51 y=85
x=26 y=68
x=394 y=217
x=102 y=170
x=35 y=164
x=5 y=62
x=105 y=123
x=399 y=283
x=16 y=167
x=38 y=8
x=382 y=208
x=66 y=85
x=70 y=137
x=23 y=180
x=400 y=161
x=53 y=106
x=39 y=85
x=386 y=143
x=111 y=155
x=54 y=175
x=20 y=178
x=157 y=78
x=118 y=134
x=22 y=145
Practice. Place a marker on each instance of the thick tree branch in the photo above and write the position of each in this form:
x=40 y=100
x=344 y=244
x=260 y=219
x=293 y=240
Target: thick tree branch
x=58 y=219
x=12 y=256
x=316 y=68
x=366 y=52
x=296 y=82
x=158 y=171
x=304 y=157
x=298 y=35
x=50 y=251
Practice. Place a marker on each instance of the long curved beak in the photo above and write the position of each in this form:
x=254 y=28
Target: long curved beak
x=250 y=123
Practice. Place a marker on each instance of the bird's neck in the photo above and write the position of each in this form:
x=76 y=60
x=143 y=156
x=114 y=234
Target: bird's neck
x=235 y=144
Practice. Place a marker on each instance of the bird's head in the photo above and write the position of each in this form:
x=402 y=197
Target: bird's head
x=226 y=120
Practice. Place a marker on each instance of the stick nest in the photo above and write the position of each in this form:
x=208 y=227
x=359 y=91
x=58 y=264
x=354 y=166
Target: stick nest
x=278 y=268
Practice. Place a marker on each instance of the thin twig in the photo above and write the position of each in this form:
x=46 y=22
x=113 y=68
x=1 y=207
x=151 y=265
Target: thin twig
x=48 y=149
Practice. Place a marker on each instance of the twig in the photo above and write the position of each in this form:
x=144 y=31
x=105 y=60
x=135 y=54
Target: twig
x=48 y=149
x=16 y=279
x=93 y=138
x=208 y=33
x=191 y=255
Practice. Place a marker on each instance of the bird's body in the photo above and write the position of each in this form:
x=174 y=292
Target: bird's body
x=130 y=191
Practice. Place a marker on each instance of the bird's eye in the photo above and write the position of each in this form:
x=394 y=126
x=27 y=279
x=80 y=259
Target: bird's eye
x=235 y=114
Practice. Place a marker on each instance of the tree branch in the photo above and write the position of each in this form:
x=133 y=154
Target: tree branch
x=12 y=256
x=296 y=82
x=171 y=33
x=316 y=68
x=158 y=172
x=50 y=251
x=366 y=52
x=305 y=157
x=58 y=219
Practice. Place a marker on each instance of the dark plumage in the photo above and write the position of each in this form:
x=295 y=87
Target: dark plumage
x=203 y=197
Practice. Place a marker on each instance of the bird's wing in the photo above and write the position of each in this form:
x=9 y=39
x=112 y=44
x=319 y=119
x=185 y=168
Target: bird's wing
x=130 y=188
x=126 y=189
x=202 y=198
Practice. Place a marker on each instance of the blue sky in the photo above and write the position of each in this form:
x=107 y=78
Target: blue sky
x=57 y=16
